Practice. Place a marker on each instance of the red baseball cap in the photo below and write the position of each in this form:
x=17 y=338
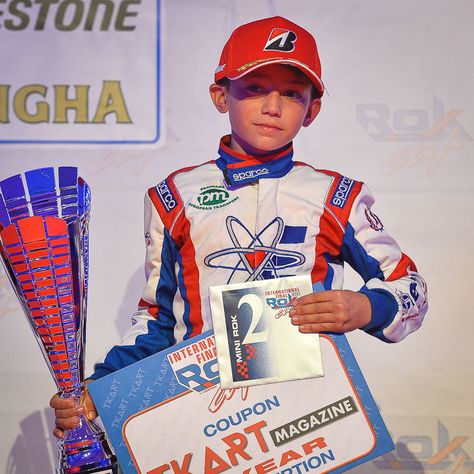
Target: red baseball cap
x=271 y=40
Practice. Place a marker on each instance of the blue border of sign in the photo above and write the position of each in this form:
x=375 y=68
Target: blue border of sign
x=115 y=142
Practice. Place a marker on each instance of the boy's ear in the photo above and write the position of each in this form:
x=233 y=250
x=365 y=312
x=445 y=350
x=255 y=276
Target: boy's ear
x=219 y=97
x=313 y=111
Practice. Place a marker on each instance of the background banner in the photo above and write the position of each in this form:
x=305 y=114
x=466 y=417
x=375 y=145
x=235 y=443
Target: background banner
x=78 y=72
x=398 y=114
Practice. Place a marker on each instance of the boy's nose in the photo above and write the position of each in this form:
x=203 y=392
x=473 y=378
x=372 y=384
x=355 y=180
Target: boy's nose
x=272 y=104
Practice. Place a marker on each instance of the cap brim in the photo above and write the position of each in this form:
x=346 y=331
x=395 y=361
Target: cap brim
x=313 y=77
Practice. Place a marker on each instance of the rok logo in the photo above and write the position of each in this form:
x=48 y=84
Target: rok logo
x=282 y=300
x=195 y=366
x=429 y=137
x=213 y=197
x=199 y=378
x=423 y=453
x=409 y=125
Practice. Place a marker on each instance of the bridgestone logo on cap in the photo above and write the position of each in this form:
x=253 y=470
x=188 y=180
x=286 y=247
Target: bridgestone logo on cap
x=281 y=40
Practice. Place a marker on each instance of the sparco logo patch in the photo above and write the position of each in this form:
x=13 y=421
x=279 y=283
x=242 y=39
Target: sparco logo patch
x=249 y=174
x=341 y=194
x=166 y=196
x=280 y=40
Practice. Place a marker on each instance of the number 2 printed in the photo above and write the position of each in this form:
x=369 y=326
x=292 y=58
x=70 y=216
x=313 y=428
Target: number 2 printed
x=256 y=307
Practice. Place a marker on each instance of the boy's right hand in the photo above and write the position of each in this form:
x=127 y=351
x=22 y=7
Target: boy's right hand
x=67 y=412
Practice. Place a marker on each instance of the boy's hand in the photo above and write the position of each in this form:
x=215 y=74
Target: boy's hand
x=67 y=412
x=331 y=311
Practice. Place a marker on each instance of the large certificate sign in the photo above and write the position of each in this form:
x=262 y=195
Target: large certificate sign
x=168 y=414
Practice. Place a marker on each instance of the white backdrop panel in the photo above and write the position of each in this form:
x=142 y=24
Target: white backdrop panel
x=398 y=114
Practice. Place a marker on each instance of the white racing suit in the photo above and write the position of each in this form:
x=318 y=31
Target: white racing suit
x=200 y=233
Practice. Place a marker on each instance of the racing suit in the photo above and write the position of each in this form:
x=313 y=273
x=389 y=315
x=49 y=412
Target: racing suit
x=289 y=220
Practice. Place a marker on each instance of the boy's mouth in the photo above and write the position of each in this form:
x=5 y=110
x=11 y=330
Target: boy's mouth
x=268 y=127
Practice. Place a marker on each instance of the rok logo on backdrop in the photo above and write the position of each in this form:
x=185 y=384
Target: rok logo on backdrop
x=425 y=136
x=92 y=76
x=436 y=450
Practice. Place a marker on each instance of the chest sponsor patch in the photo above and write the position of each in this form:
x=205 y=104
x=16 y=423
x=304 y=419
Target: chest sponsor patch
x=213 y=197
x=343 y=189
x=166 y=196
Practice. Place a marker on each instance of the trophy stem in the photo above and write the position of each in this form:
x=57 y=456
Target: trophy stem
x=84 y=449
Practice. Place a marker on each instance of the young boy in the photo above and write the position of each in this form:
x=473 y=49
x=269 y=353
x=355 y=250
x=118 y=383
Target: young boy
x=254 y=213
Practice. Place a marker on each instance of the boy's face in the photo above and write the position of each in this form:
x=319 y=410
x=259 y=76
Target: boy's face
x=267 y=107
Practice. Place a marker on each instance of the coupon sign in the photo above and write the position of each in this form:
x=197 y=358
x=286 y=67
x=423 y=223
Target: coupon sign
x=255 y=340
x=167 y=414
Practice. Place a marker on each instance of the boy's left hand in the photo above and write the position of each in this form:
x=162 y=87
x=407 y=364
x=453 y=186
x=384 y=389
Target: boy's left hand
x=331 y=311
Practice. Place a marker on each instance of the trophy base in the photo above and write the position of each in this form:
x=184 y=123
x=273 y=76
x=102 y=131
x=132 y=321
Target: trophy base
x=84 y=450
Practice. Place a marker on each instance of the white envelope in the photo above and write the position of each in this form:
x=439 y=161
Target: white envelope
x=255 y=340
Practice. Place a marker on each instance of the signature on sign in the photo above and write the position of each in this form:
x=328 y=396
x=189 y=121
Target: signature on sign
x=222 y=395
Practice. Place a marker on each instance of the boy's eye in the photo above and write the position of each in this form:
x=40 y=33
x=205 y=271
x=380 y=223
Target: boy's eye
x=292 y=94
x=255 y=88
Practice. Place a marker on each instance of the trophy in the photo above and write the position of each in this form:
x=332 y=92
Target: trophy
x=44 y=242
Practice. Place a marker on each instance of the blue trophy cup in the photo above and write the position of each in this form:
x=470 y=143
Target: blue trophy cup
x=44 y=242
